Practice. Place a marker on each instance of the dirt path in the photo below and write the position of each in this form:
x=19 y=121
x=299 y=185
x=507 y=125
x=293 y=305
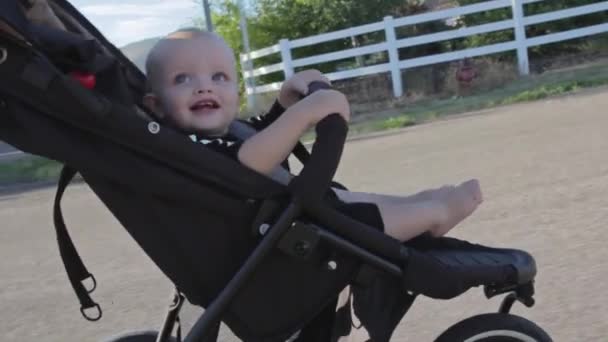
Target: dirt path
x=544 y=168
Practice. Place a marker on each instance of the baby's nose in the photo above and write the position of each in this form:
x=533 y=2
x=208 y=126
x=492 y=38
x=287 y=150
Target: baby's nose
x=204 y=86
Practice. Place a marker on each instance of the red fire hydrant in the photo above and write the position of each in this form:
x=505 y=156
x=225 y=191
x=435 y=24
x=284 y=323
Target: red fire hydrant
x=465 y=75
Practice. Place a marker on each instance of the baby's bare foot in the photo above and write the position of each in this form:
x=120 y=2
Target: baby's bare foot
x=474 y=189
x=441 y=193
x=460 y=202
x=436 y=194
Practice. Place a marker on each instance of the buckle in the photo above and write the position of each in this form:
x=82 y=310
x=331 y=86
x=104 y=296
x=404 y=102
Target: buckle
x=92 y=277
x=91 y=318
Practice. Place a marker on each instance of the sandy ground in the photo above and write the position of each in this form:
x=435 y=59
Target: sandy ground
x=543 y=166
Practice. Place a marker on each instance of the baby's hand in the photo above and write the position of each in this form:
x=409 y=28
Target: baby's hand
x=322 y=103
x=297 y=86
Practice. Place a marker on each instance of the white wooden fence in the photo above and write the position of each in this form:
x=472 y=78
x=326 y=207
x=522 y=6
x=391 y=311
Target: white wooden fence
x=518 y=22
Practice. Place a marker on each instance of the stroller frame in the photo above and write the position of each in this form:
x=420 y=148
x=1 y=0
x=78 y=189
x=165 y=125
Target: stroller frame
x=205 y=328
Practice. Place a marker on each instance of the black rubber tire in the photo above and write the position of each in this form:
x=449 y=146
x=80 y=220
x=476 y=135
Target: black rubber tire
x=138 y=336
x=494 y=327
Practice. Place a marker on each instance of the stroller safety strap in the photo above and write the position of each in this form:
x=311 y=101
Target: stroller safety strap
x=76 y=270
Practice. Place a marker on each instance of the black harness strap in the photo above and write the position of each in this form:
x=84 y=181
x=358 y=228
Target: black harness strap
x=301 y=153
x=77 y=272
x=12 y=13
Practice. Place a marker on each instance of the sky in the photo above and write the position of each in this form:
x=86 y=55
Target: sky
x=127 y=21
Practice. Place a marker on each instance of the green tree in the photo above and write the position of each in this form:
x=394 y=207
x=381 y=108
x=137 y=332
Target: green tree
x=226 y=22
x=301 y=18
x=272 y=20
x=570 y=46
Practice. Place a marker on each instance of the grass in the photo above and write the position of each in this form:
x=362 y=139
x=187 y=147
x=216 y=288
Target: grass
x=36 y=169
x=29 y=170
x=398 y=121
x=526 y=89
x=553 y=90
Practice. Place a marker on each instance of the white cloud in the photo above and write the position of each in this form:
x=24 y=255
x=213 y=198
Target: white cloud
x=139 y=9
x=126 y=31
x=125 y=21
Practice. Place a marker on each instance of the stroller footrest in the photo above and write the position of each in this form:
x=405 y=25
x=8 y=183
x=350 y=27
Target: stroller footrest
x=522 y=262
x=445 y=267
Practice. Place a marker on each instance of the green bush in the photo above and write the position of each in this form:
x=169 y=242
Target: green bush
x=398 y=122
x=28 y=170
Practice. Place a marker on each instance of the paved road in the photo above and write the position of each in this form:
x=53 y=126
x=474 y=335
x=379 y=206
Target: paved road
x=8 y=153
x=544 y=168
x=5 y=148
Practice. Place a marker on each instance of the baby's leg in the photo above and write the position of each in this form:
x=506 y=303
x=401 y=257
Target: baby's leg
x=404 y=222
x=367 y=197
x=436 y=210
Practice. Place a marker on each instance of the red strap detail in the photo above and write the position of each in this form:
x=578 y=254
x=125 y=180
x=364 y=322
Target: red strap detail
x=87 y=80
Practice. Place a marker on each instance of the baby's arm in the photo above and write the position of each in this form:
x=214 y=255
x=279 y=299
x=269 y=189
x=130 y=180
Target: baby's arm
x=271 y=146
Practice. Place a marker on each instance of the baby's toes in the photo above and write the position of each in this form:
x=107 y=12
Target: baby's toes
x=474 y=189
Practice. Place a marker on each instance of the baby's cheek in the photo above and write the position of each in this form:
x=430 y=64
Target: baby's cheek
x=231 y=101
x=181 y=103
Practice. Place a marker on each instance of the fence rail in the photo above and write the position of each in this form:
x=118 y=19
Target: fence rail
x=391 y=45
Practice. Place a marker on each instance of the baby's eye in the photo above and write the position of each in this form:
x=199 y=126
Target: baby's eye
x=220 y=76
x=182 y=78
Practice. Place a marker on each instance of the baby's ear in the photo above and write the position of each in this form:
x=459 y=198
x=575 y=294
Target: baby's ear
x=151 y=102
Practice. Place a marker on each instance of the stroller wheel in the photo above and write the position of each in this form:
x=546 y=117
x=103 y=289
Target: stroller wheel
x=138 y=336
x=494 y=327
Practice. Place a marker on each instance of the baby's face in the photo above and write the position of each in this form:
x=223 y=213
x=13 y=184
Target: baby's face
x=195 y=84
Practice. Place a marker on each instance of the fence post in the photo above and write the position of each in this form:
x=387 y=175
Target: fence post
x=286 y=57
x=393 y=56
x=247 y=67
x=520 y=37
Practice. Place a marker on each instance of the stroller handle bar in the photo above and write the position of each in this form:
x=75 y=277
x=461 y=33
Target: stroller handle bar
x=316 y=177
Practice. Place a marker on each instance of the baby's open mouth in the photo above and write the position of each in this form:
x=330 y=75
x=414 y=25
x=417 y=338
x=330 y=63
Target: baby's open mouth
x=205 y=104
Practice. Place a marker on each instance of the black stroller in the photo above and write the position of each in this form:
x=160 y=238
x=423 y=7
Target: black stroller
x=268 y=260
